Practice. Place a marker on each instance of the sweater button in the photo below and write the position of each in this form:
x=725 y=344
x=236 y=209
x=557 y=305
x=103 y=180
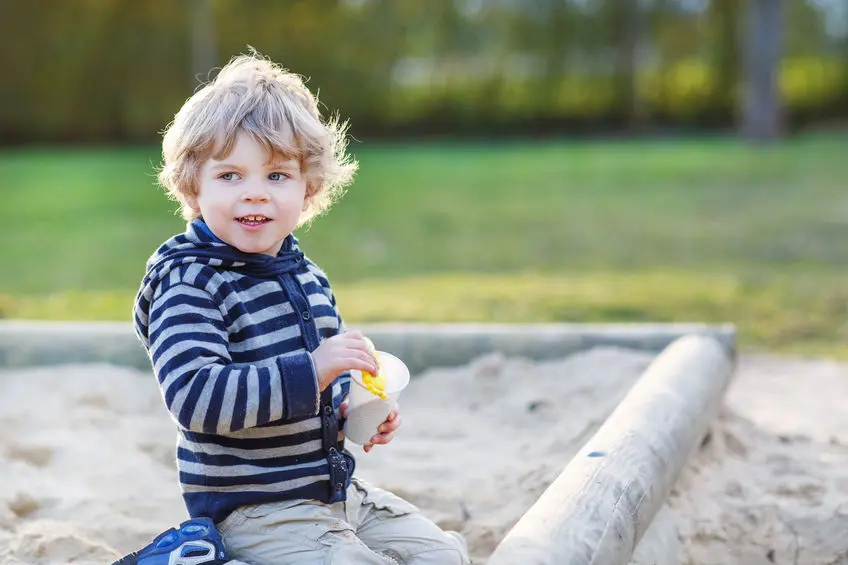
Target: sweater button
x=305 y=315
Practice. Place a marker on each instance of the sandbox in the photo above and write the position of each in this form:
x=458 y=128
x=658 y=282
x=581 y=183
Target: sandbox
x=552 y=444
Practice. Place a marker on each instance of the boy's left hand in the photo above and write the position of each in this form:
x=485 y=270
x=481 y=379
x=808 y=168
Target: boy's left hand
x=386 y=430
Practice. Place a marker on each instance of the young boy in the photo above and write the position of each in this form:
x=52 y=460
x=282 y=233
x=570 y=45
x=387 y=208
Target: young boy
x=248 y=346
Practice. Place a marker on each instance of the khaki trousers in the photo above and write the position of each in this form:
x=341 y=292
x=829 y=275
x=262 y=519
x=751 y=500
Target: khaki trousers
x=372 y=527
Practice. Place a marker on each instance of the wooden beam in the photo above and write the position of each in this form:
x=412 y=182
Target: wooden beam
x=600 y=506
x=421 y=346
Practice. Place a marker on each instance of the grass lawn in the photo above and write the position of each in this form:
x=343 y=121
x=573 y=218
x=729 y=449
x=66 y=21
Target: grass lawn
x=692 y=230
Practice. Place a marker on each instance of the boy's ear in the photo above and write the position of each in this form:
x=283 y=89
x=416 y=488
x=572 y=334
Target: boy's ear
x=191 y=202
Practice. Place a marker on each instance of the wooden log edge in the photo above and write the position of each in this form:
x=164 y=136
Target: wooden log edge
x=597 y=510
x=421 y=346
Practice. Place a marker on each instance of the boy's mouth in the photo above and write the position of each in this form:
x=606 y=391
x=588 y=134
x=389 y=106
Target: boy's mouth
x=253 y=220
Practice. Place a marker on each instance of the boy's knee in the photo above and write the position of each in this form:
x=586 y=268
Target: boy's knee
x=452 y=550
x=461 y=546
x=444 y=556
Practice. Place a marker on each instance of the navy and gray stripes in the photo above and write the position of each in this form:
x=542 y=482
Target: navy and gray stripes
x=230 y=335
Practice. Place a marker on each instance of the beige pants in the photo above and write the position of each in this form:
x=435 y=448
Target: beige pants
x=372 y=527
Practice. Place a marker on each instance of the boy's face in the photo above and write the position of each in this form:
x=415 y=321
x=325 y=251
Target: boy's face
x=249 y=202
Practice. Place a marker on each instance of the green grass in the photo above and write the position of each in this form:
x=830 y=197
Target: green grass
x=706 y=230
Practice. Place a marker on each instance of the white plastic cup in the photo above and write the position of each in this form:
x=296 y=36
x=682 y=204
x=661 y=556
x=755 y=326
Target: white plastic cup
x=366 y=410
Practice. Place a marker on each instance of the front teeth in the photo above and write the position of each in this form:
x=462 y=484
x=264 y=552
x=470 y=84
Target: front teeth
x=253 y=218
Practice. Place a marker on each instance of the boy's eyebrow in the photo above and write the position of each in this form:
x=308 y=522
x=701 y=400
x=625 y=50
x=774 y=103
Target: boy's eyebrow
x=288 y=163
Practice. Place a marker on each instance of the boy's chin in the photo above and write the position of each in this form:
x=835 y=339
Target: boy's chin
x=262 y=249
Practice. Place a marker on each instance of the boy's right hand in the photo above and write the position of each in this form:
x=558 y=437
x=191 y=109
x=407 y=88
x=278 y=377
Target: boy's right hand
x=340 y=353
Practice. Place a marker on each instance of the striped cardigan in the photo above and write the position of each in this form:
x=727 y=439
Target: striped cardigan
x=229 y=335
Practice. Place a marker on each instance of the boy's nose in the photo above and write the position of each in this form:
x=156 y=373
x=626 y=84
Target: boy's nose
x=255 y=193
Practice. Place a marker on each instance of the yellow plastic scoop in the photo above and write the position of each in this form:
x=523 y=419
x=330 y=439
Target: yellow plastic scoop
x=376 y=384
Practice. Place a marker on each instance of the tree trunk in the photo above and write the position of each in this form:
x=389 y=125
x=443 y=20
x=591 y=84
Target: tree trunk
x=762 y=114
x=204 y=44
x=627 y=26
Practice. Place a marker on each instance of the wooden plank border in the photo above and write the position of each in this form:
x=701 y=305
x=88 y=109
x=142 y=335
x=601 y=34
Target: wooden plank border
x=29 y=343
x=600 y=506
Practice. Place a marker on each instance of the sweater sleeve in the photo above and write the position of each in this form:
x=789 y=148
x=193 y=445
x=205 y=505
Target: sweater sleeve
x=321 y=277
x=204 y=390
x=343 y=378
x=324 y=283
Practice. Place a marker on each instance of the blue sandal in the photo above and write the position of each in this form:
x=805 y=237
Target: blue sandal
x=194 y=542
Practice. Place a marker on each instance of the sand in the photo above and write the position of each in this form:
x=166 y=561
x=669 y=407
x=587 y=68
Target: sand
x=772 y=486
x=86 y=456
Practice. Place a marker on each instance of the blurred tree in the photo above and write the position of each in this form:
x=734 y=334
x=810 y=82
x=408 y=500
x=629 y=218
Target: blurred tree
x=762 y=112
x=204 y=43
x=625 y=19
x=557 y=27
x=724 y=16
x=109 y=71
x=373 y=36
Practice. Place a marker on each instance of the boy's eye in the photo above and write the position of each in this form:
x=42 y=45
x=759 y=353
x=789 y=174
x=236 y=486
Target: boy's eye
x=277 y=176
x=227 y=176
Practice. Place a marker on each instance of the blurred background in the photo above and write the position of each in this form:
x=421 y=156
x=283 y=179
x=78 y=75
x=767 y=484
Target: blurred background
x=521 y=160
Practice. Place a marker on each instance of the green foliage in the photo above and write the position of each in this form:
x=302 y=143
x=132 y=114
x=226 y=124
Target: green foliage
x=105 y=71
x=691 y=88
x=687 y=91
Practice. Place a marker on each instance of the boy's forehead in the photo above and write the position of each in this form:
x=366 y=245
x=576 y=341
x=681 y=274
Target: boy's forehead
x=281 y=160
x=274 y=161
x=246 y=146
